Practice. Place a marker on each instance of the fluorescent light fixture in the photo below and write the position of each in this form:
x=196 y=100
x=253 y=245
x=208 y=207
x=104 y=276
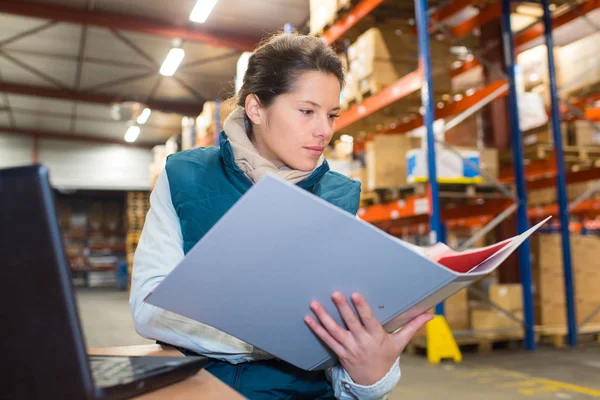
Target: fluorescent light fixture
x=143 y=118
x=202 y=10
x=132 y=133
x=172 y=62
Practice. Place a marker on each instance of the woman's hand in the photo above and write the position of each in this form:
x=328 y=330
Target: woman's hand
x=365 y=349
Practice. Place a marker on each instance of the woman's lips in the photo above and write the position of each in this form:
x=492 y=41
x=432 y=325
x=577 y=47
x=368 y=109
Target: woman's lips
x=316 y=150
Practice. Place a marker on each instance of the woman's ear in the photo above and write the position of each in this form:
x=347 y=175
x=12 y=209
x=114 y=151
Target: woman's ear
x=253 y=109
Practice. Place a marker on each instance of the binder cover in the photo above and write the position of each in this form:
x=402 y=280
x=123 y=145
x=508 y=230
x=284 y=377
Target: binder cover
x=254 y=274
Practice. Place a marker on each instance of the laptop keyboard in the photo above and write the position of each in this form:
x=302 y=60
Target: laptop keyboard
x=112 y=371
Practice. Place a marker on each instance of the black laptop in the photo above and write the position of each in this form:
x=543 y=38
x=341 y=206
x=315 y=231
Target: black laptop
x=42 y=349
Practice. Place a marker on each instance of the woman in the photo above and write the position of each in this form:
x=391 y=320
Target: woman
x=283 y=121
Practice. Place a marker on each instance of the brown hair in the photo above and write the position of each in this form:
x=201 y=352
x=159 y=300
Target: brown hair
x=277 y=63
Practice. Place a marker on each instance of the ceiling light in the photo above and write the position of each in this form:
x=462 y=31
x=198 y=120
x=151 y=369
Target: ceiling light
x=202 y=10
x=143 y=118
x=534 y=77
x=172 y=62
x=132 y=133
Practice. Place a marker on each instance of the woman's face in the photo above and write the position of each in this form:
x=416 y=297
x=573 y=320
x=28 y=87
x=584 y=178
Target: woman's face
x=297 y=127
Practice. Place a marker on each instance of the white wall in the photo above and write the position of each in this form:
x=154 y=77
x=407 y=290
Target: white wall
x=15 y=150
x=80 y=164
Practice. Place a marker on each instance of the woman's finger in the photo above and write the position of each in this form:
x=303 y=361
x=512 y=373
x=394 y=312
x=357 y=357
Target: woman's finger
x=408 y=331
x=340 y=334
x=365 y=313
x=347 y=313
x=325 y=336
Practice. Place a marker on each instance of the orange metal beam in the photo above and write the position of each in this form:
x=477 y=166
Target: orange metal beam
x=524 y=37
x=342 y=26
x=419 y=207
x=450 y=109
x=537 y=30
x=587 y=207
x=401 y=88
x=134 y=23
x=584 y=175
x=534 y=170
x=486 y=15
x=467 y=66
x=593 y=114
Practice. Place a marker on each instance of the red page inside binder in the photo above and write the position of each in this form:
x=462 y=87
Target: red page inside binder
x=465 y=261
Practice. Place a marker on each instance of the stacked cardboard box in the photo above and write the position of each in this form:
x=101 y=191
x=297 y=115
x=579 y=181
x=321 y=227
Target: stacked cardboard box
x=489 y=322
x=385 y=159
x=548 y=277
x=456 y=312
x=549 y=196
x=381 y=56
x=580 y=64
x=586 y=134
x=322 y=13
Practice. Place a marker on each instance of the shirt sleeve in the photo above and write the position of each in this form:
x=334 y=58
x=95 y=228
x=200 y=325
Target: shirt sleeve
x=159 y=251
x=345 y=388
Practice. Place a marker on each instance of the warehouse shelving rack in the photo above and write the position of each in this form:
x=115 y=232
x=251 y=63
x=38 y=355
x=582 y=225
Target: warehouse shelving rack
x=536 y=175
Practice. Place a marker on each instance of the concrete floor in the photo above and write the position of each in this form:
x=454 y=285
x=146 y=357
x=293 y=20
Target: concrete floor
x=504 y=374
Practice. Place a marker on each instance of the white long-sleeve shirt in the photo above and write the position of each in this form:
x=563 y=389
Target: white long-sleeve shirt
x=159 y=251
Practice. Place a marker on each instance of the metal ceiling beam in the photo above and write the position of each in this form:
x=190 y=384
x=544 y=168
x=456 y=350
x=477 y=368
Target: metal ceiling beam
x=183 y=108
x=33 y=70
x=29 y=32
x=88 y=59
x=35 y=133
x=124 y=22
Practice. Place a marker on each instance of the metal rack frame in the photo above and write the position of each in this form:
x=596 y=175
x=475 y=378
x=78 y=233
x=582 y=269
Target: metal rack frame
x=501 y=209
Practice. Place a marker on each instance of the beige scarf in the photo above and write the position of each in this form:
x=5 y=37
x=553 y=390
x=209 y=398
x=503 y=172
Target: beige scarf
x=254 y=166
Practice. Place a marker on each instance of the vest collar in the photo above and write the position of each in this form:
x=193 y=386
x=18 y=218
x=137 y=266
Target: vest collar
x=241 y=181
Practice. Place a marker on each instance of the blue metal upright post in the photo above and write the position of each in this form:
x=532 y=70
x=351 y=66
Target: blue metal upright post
x=428 y=104
x=517 y=148
x=561 y=182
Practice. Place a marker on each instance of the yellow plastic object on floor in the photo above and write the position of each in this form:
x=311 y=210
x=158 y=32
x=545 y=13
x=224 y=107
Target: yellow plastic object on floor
x=440 y=341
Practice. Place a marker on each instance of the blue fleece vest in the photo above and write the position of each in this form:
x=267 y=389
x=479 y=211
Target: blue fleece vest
x=206 y=182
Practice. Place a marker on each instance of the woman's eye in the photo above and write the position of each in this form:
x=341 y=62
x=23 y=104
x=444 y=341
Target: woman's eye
x=334 y=116
x=307 y=112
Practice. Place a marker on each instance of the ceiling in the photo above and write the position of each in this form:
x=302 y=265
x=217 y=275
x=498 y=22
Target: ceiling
x=63 y=63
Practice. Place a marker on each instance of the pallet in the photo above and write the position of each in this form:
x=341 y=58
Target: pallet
x=446 y=191
x=481 y=344
x=572 y=154
x=556 y=335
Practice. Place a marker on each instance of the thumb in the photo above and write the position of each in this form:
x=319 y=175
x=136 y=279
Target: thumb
x=409 y=330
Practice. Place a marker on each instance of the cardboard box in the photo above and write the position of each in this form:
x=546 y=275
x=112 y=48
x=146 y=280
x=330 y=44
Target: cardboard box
x=507 y=296
x=322 y=12
x=585 y=134
x=580 y=64
x=383 y=55
x=385 y=159
x=493 y=323
x=456 y=311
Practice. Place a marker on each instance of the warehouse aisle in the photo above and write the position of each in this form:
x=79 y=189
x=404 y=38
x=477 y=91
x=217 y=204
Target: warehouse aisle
x=505 y=374
x=105 y=317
